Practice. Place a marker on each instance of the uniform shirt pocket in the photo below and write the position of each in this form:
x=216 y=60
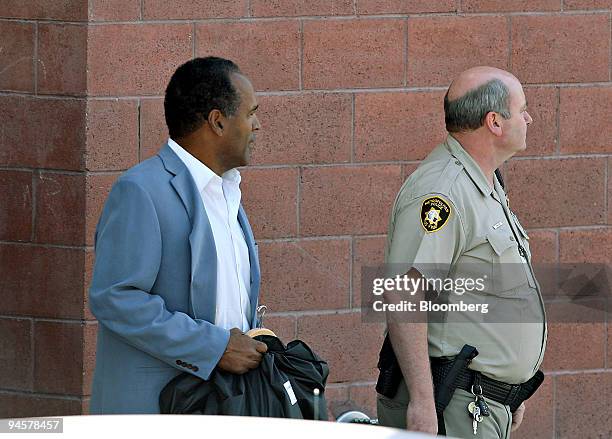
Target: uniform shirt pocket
x=507 y=270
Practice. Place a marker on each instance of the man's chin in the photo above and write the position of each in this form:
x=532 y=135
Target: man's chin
x=246 y=158
x=522 y=147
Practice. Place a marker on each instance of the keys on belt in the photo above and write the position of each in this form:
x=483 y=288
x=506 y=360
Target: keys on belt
x=478 y=408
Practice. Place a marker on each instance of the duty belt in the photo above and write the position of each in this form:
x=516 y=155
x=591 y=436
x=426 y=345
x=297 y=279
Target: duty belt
x=508 y=394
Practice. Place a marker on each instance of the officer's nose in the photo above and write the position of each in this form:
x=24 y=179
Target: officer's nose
x=256 y=124
x=528 y=118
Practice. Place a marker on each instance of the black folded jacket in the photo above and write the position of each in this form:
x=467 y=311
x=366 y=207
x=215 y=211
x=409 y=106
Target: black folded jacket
x=282 y=386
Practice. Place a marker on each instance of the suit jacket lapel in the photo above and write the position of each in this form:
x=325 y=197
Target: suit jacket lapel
x=254 y=259
x=203 y=289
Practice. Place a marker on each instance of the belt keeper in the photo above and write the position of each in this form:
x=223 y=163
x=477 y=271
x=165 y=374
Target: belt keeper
x=476 y=386
x=514 y=390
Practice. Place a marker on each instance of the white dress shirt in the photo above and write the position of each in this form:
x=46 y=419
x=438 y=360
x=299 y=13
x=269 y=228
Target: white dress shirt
x=221 y=199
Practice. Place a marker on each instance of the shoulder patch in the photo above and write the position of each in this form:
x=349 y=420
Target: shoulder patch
x=435 y=213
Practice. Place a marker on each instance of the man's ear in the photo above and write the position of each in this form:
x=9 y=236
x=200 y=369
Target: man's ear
x=494 y=123
x=216 y=120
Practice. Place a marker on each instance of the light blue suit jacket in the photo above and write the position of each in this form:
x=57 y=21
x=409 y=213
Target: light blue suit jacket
x=154 y=286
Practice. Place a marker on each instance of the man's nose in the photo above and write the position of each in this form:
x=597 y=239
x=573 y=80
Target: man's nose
x=528 y=118
x=256 y=124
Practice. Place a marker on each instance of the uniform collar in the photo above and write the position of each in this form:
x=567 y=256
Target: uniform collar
x=469 y=164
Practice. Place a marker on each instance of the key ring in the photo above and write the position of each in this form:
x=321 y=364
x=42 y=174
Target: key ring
x=476 y=385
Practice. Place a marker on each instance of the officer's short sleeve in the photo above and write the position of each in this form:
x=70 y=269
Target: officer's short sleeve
x=427 y=234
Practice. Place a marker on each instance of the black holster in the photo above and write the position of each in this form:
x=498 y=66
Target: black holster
x=445 y=386
x=390 y=374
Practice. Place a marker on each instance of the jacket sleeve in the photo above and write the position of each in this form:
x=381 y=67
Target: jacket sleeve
x=128 y=256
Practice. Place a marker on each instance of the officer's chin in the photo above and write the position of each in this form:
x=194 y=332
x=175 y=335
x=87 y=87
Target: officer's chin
x=522 y=147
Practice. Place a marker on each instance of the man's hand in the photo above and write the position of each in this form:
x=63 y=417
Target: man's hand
x=422 y=417
x=517 y=417
x=242 y=353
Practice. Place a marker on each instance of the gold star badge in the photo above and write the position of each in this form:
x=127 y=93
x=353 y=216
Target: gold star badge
x=432 y=217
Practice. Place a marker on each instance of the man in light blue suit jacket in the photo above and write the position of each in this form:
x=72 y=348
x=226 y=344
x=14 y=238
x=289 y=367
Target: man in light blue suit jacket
x=155 y=285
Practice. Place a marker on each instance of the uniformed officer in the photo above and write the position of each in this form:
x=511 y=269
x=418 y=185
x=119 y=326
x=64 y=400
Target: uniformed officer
x=453 y=212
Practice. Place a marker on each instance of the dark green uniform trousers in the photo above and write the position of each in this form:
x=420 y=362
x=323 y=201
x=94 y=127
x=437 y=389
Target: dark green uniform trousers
x=457 y=421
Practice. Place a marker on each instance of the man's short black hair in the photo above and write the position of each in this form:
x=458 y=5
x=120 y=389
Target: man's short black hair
x=195 y=89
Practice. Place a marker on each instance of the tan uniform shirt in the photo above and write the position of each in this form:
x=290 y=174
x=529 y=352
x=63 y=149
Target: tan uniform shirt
x=447 y=219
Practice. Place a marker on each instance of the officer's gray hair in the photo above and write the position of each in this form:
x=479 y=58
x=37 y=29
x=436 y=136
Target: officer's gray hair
x=468 y=112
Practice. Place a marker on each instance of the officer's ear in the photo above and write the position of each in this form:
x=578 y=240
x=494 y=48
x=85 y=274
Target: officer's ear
x=216 y=121
x=493 y=123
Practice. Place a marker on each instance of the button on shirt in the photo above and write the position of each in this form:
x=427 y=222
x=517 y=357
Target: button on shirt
x=221 y=199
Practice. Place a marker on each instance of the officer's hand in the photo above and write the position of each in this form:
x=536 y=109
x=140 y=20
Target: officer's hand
x=422 y=417
x=242 y=353
x=517 y=417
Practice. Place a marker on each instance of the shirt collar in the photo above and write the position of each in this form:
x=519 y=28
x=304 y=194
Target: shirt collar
x=232 y=176
x=201 y=173
x=469 y=164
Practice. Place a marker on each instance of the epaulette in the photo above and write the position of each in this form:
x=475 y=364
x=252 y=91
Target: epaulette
x=449 y=175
